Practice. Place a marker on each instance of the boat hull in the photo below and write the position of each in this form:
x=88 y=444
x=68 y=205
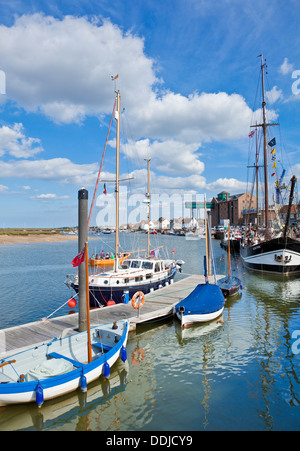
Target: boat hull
x=277 y=256
x=205 y=303
x=188 y=320
x=230 y=286
x=234 y=245
x=101 y=295
x=55 y=386
x=105 y=263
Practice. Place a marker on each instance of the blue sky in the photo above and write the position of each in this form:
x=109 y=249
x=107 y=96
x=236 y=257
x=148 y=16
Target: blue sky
x=188 y=73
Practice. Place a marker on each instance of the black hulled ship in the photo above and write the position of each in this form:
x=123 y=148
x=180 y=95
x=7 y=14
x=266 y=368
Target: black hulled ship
x=274 y=252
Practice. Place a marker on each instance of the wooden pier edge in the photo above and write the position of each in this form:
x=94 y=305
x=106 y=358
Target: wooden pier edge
x=158 y=305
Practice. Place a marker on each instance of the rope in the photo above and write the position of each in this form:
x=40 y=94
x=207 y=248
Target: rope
x=47 y=317
x=96 y=187
x=14 y=369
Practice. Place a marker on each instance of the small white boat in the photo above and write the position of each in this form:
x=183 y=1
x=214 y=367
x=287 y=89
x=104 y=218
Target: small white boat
x=206 y=302
x=62 y=365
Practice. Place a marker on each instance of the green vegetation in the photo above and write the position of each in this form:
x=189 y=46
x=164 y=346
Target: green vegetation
x=26 y=232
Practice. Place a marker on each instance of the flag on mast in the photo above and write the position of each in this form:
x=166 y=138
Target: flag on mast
x=78 y=259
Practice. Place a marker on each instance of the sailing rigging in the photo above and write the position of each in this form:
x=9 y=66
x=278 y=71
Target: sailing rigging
x=133 y=274
x=271 y=251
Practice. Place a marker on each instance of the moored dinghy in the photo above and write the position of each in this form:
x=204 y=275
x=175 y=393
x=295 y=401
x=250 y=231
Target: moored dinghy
x=61 y=365
x=229 y=285
x=206 y=302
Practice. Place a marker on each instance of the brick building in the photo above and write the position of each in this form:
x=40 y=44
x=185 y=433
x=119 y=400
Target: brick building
x=232 y=207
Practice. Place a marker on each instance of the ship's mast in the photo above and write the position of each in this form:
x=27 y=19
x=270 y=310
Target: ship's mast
x=257 y=181
x=117 y=117
x=264 y=127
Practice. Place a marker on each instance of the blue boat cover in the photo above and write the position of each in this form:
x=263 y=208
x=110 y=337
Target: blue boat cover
x=206 y=298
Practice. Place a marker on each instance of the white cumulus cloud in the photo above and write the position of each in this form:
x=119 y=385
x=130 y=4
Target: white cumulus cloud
x=62 y=68
x=286 y=67
x=61 y=169
x=14 y=142
x=49 y=196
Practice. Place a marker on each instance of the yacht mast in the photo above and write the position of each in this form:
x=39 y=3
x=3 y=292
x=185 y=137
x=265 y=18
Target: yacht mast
x=117 y=117
x=148 y=202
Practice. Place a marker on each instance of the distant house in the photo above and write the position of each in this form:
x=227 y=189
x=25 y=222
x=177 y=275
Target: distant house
x=152 y=225
x=294 y=216
x=177 y=224
x=190 y=223
x=233 y=207
x=164 y=223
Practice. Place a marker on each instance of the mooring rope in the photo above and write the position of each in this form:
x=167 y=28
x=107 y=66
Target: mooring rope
x=47 y=317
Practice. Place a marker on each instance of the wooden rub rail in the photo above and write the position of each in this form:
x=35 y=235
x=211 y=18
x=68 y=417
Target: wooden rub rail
x=158 y=304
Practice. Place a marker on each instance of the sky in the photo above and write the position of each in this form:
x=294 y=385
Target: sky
x=188 y=73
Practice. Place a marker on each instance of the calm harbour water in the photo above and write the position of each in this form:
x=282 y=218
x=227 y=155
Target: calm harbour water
x=240 y=374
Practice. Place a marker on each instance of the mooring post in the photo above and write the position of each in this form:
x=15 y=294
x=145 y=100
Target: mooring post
x=82 y=239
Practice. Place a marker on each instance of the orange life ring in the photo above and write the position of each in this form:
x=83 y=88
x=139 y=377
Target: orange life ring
x=141 y=296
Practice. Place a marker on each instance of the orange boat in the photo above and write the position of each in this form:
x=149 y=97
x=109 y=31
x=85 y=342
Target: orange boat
x=106 y=262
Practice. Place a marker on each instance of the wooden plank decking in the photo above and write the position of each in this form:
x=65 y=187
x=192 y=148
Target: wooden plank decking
x=158 y=304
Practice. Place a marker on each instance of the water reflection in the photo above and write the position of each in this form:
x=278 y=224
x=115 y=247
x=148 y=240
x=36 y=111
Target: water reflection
x=70 y=411
x=239 y=374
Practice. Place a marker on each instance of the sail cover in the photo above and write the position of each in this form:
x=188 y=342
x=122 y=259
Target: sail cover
x=204 y=299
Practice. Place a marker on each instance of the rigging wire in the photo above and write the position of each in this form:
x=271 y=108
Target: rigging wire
x=100 y=169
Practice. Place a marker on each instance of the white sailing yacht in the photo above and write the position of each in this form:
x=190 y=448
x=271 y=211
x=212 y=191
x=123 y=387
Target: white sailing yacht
x=133 y=274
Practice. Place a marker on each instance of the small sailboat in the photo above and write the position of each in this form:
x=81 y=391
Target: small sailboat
x=229 y=285
x=103 y=262
x=106 y=231
x=62 y=365
x=206 y=302
x=235 y=241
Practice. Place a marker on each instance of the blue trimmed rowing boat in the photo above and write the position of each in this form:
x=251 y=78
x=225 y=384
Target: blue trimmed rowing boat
x=61 y=365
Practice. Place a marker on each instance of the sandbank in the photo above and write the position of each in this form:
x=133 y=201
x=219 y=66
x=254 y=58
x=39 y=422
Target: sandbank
x=38 y=238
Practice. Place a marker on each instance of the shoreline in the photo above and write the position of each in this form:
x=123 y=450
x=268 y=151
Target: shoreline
x=41 y=238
